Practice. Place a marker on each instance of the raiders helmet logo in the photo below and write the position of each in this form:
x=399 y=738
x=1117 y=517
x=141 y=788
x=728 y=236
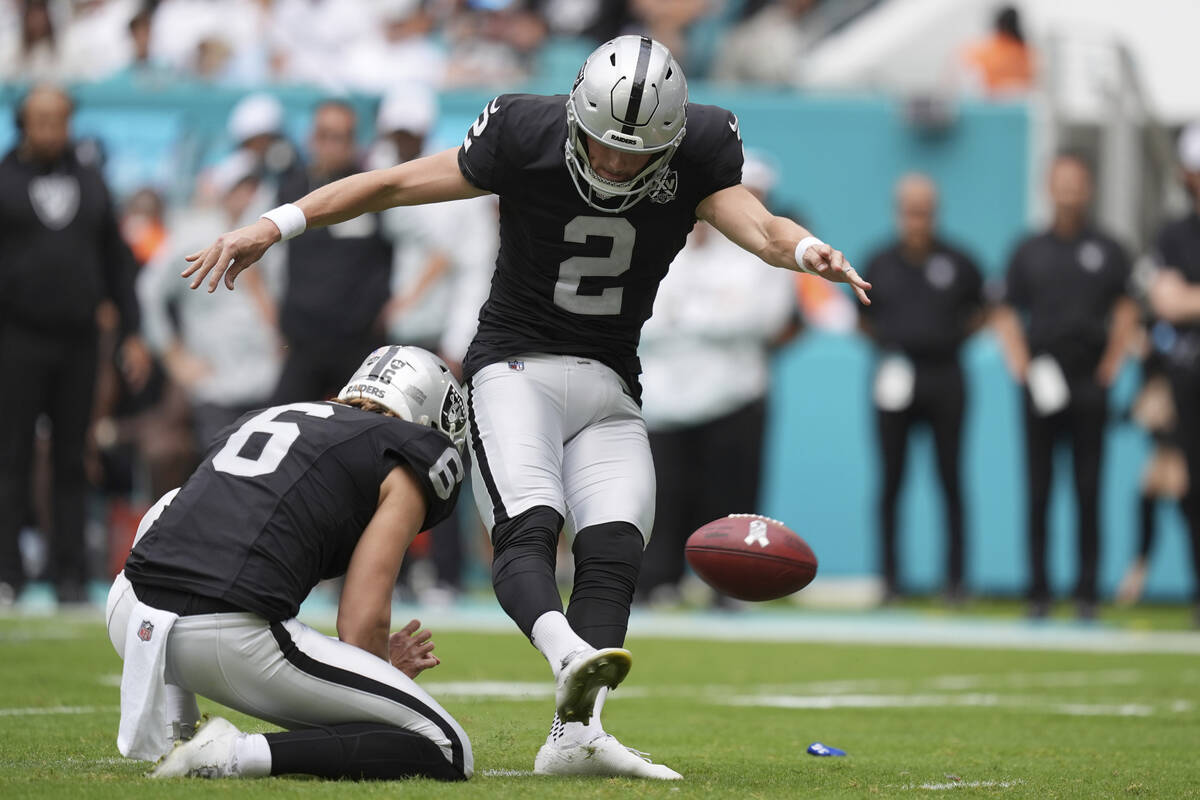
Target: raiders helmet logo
x=665 y=187
x=55 y=199
x=454 y=412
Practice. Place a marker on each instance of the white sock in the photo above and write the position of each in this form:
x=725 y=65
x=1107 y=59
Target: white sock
x=577 y=732
x=182 y=711
x=552 y=635
x=251 y=756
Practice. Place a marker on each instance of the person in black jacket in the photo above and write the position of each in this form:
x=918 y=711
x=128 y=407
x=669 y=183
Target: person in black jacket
x=928 y=298
x=62 y=257
x=1175 y=299
x=329 y=317
x=1066 y=325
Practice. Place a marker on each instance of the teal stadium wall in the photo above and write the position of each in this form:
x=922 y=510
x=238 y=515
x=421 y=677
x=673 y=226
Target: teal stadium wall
x=838 y=156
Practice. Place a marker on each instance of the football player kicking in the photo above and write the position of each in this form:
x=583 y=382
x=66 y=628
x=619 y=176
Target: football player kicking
x=598 y=191
x=206 y=604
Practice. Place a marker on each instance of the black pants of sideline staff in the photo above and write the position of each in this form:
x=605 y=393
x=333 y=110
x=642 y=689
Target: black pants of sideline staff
x=1081 y=426
x=939 y=399
x=1185 y=381
x=704 y=472
x=55 y=375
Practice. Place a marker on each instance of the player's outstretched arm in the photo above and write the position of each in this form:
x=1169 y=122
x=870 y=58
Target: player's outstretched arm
x=433 y=179
x=739 y=215
x=365 y=608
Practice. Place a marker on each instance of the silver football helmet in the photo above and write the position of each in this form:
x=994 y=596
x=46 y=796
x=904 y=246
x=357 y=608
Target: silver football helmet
x=630 y=95
x=415 y=385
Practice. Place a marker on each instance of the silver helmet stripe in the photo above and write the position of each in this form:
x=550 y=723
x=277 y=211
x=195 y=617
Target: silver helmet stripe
x=382 y=364
x=639 y=86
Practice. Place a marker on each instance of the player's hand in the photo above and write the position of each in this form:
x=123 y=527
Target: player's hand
x=411 y=650
x=230 y=254
x=831 y=265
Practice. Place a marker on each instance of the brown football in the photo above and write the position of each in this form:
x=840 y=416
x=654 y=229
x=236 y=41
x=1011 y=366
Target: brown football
x=749 y=557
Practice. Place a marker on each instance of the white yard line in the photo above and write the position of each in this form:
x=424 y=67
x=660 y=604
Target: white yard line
x=52 y=710
x=971 y=700
x=898 y=628
x=507 y=773
x=941 y=787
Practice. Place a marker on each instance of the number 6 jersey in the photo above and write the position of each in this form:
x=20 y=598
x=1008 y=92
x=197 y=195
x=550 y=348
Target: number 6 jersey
x=571 y=279
x=280 y=502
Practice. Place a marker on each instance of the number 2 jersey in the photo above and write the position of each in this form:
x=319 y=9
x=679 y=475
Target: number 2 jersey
x=281 y=501
x=571 y=279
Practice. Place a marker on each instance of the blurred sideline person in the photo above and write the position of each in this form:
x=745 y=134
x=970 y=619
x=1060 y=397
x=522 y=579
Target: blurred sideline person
x=63 y=255
x=1066 y=324
x=597 y=197
x=329 y=317
x=1164 y=476
x=442 y=254
x=224 y=377
x=927 y=299
x=1175 y=298
x=706 y=372
x=207 y=601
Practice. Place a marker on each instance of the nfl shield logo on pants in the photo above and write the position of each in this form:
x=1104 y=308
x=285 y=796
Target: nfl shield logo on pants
x=516 y=366
x=146 y=630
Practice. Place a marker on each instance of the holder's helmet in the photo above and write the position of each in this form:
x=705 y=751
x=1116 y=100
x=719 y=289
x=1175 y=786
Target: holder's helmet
x=415 y=385
x=630 y=95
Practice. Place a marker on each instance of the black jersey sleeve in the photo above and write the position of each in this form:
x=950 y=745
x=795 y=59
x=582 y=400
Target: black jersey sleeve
x=721 y=148
x=483 y=157
x=434 y=461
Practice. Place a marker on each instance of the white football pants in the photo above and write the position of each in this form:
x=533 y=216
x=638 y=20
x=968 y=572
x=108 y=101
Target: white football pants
x=562 y=432
x=290 y=674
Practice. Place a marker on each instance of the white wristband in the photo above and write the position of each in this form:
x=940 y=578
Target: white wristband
x=801 y=248
x=289 y=219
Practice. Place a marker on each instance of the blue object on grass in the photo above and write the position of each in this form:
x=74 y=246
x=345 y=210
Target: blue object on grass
x=818 y=749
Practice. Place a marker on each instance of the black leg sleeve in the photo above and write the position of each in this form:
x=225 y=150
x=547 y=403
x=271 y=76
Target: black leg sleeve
x=359 y=751
x=893 y=429
x=1089 y=415
x=1147 y=521
x=70 y=410
x=525 y=549
x=1039 y=454
x=607 y=560
x=946 y=421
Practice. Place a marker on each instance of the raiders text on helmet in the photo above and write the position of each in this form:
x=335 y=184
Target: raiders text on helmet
x=415 y=385
x=630 y=95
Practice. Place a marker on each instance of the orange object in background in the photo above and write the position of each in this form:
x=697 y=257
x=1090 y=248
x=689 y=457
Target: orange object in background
x=123 y=519
x=1003 y=64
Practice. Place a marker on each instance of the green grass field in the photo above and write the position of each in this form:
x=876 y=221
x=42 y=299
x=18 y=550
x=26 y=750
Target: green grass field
x=734 y=717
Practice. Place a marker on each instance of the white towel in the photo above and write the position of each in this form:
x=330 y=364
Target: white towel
x=145 y=730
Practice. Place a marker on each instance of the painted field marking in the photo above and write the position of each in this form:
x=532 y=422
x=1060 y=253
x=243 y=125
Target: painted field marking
x=972 y=700
x=52 y=710
x=507 y=773
x=940 y=787
x=510 y=690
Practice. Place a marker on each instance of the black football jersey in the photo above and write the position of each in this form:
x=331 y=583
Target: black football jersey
x=281 y=500
x=569 y=278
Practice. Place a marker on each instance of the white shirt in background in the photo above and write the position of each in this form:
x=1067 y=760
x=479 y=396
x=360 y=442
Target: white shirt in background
x=244 y=361
x=704 y=351
x=466 y=232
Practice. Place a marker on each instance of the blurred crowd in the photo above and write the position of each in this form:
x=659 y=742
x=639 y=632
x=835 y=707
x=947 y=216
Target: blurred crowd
x=126 y=377
x=370 y=45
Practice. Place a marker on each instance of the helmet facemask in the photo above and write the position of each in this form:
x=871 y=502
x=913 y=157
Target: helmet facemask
x=630 y=95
